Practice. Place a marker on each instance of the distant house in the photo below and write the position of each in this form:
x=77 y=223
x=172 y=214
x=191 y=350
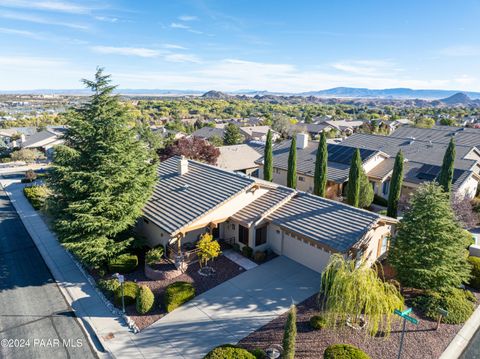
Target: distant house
x=339 y=159
x=423 y=163
x=192 y=198
x=208 y=132
x=239 y=158
x=44 y=140
x=258 y=133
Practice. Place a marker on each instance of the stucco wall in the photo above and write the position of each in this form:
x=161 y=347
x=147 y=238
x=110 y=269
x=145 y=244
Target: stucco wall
x=375 y=236
x=153 y=234
x=468 y=188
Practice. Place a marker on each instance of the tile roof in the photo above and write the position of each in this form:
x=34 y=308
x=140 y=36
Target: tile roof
x=180 y=199
x=208 y=132
x=340 y=157
x=333 y=224
x=413 y=150
x=237 y=157
x=263 y=205
x=34 y=139
x=463 y=136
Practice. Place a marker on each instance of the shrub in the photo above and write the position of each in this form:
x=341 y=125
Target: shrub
x=124 y=263
x=236 y=247
x=108 y=286
x=456 y=301
x=36 y=195
x=344 y=351
x=383 y=212
x=259 y=256
x=229 y=352
x=380 y=201
x=145 y=299
x=247 y=251
x=258 y=353
x=290 y=334
x=130 y=290
x=318 y=322
x=178 y=293
x=475 y=279
x=154 y=255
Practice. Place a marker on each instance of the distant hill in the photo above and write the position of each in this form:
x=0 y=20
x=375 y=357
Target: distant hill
x=459 y=98
x=215 y=95
x=394 y=93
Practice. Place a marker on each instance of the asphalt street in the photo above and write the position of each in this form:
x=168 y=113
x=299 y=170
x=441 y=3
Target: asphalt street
x=35 y=320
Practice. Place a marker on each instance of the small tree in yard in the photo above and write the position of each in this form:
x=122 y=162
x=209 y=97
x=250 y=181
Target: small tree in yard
x=321 y=161
x=292 y=165
x=290 y=334
x=268 y=159
x=232 y=135
x=445 y=177
x=194 y=148
x=395 y=186
x=208 y=249
x=348 y=292
x=429 y=249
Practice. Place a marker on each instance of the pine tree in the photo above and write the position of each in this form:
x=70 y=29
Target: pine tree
x=395 y=186
x=321 y=161
x=102 y=176
x=292 y=165
x=268 y=159
x=445 y=177
x=232 y=135
x=429 y=249
x=365 y=194
x=290 y=334
x=353 y=185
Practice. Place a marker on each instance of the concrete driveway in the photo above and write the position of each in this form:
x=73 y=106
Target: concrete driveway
x=230 y=311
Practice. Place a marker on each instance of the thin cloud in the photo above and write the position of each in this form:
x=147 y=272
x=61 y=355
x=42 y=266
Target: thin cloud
x=367 y=67
x=174 y=46
x=27 y=61
x=126 y=51
x=39 y=20
x=106 y=19
x=181 y=58
x=176 y=25
x=460 y=51
x=24 y=33
x=187 y=18
x=47 y=5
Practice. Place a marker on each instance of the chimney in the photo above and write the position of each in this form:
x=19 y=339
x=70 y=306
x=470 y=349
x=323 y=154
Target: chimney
x=182 y=166
x=302 y=140
x=22 y=138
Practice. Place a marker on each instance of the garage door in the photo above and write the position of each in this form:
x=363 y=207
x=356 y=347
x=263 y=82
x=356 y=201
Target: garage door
x=303 y=253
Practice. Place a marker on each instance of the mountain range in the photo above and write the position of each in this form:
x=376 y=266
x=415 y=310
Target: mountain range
x=337 y=92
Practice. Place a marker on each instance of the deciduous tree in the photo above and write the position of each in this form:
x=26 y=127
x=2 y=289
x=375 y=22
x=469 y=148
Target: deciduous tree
x=194 y=148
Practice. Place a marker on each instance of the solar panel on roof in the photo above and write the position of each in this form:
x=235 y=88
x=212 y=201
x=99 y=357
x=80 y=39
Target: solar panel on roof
x=344 y=154
x=431 y=172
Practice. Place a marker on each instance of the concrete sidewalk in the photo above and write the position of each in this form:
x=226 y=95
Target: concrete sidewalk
x=101 y=324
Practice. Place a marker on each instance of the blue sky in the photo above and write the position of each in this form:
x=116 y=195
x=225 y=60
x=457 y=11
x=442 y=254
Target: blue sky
x=241 y=44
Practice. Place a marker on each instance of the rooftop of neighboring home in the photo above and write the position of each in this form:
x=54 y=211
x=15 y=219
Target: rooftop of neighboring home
x=208 y=132
x=255 y=130
x=42 y=138
x=339 y=158
x=182 y=196
x=237 y=157
x=442 y=134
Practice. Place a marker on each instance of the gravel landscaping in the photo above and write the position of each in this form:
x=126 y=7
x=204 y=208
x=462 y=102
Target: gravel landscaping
x=225 y=270
x=421 y=341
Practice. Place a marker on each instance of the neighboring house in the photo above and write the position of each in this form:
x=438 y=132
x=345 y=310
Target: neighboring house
x=339 y=159
x=239 y=158
x=208 y=132
x=344 y=126
x=44 y=140
x=423 y=161
x=258 y=133
x=313 y=129
x=192 y=198
x=166 y=133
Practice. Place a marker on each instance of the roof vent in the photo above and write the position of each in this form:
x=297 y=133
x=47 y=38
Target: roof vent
x=302 y=140
x=182 y=166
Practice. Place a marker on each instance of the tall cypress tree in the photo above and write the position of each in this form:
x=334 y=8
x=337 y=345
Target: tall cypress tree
x=445 y=177
x=353 y=185
x=102 y=176
x=268 y=159
x=321 y=160
x=395 y=186
x=292 y=165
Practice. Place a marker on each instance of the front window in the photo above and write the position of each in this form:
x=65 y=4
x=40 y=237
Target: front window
x=386 y=186
x=243 y=235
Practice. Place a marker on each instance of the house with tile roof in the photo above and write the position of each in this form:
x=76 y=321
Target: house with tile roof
x=423 y=161
x=239 y=158
x=191 y=198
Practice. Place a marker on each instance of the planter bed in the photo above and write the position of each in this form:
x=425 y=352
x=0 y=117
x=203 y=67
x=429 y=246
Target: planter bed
x=421 y=341
x=225 y=270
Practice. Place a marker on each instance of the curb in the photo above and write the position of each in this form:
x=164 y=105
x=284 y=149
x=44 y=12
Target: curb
x=460 y=342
